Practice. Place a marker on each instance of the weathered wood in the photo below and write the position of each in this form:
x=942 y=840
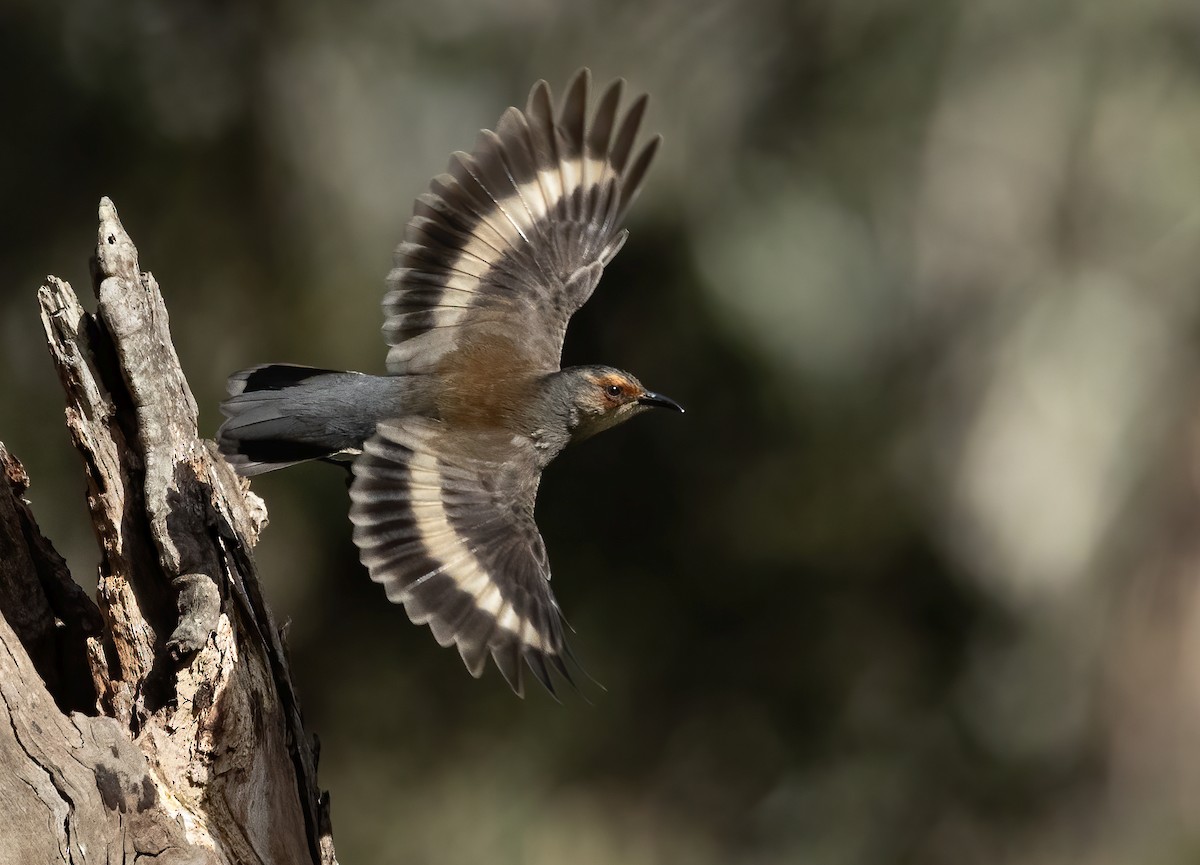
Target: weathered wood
x=160 y=721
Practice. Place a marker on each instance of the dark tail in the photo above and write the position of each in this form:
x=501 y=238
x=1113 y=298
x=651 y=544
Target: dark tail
x=278 y=415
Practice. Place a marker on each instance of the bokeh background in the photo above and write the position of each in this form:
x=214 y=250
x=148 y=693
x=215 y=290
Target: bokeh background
x=913 y=581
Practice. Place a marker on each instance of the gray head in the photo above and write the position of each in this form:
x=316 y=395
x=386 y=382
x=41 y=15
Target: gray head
x=598 y=397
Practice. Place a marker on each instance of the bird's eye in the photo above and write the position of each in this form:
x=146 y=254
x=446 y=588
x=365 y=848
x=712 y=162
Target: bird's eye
x=613 y=390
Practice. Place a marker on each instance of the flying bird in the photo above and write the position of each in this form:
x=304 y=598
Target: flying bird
x=448 y=449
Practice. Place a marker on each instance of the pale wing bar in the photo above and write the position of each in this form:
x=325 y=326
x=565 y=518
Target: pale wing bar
x=495 y=241
x=452 y=538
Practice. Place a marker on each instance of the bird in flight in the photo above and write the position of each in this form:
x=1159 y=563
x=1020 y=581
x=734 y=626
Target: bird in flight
x=448 y=449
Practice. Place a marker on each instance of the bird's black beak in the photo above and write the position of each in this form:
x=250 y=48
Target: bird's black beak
x=657 y=400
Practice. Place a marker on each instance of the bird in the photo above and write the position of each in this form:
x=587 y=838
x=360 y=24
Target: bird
x=447 y=450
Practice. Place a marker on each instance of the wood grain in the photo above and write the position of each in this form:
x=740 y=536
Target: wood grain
x=160 y=720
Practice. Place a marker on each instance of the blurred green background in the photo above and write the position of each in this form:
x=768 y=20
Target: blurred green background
x=913 y=581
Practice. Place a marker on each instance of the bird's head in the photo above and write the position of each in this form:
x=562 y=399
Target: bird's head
x=600 y=397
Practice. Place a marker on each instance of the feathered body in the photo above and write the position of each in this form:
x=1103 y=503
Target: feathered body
x=448 y=449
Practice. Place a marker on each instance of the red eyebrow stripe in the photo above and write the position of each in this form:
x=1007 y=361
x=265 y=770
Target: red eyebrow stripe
x=622 y=383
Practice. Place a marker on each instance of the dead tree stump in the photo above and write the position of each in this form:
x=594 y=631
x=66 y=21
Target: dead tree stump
x=160 y=721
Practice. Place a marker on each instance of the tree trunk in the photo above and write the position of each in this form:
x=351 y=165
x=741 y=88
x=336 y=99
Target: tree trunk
x=161 y=721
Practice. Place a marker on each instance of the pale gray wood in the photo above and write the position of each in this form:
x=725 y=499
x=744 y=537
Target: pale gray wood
x=160 y=721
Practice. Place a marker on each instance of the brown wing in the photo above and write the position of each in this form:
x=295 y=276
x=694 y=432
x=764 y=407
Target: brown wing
x=514 y=236
x=445 y=523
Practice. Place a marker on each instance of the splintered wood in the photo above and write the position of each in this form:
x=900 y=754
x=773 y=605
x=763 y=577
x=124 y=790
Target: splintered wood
x=160 y=720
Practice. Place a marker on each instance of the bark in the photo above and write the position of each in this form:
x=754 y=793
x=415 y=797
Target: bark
x=160 y=721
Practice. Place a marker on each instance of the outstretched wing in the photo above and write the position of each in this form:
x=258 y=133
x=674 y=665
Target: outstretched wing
x=514 y=236
x=444 y=520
